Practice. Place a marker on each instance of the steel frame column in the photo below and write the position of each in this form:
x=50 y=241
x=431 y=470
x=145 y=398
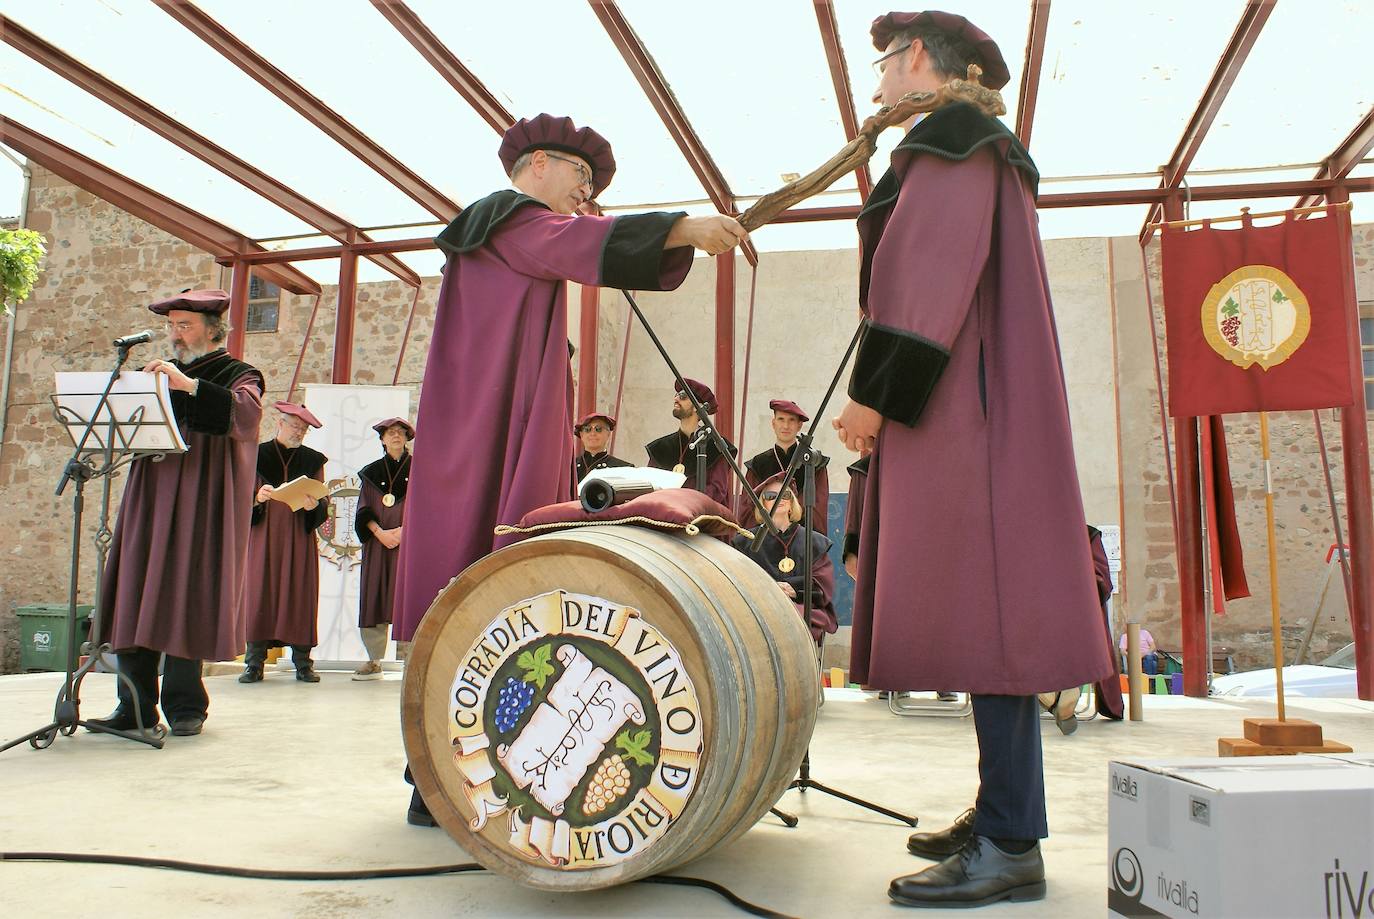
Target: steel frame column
x=587 y=328
x=1355 y=452
x=344 y=316
x=1197 y=656
x=725 y=343
x=238 y=307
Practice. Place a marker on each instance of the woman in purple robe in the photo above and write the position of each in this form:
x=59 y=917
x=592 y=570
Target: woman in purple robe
x=384 y=484
x=496 y=400
x=973 y=569
x=783 y=556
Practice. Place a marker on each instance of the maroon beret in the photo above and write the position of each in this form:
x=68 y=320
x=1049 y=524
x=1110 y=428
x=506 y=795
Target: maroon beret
x=995 y=72
x=300 y=411
x=703 y=394
x=545 y=132
x=213 y=301
x=577 y=428
x=783 y=405
x=775 y=480
x=381 y=426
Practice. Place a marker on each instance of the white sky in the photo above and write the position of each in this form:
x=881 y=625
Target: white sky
x=1119 y=82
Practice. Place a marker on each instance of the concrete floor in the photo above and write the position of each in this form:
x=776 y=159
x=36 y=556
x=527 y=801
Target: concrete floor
x=291 y=775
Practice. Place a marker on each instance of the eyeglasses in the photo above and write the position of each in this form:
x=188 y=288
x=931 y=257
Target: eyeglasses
x=881 y=63
x=595 y=428
x=773 y=496
x=583 y=173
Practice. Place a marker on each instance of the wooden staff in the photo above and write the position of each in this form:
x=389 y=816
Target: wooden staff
x=861 y=149
x=1275 y=625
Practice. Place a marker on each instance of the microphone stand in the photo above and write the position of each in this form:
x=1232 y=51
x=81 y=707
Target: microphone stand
x=807 y=458
x=80 y=469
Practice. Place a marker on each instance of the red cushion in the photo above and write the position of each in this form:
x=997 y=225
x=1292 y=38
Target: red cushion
x=683 y=509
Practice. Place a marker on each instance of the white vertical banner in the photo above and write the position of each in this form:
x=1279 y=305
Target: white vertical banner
x=348 y=414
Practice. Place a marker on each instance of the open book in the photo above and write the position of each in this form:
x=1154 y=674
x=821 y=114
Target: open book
x=294 y=492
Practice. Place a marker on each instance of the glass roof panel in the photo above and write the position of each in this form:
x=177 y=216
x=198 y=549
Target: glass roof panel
x=760 y=114
x=366 y=71
x=199 y=87
x=1305 y=85
x=44 y=102
x=560 y=60
x=1108 y=105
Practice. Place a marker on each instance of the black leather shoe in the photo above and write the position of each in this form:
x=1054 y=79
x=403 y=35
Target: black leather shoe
x=418 y=814
x=122 y=720
x=978 y=874
x=307 y=675
x=941 y=844
x=251 y=675
x=188 y=726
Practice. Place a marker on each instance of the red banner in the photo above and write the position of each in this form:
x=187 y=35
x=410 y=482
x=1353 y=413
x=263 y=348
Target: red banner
x=1255 y=319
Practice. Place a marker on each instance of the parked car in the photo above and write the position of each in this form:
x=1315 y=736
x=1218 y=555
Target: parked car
x=1333 y=678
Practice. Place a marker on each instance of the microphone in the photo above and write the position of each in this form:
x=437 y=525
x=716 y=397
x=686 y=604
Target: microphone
x=138 y=338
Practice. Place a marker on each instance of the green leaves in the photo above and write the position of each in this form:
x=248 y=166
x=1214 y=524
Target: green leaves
x=21 y=257
x=536 y=665
x=1230 y=307
x=635 y=747
x=1279 y=296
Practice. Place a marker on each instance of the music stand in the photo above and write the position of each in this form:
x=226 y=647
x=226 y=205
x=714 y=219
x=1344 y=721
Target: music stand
x=130 y=418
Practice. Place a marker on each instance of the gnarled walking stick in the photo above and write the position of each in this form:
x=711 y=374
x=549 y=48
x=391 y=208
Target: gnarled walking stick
x=859 y=150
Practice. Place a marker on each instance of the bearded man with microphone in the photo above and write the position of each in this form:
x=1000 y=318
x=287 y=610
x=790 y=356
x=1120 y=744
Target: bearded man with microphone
x=173 y=584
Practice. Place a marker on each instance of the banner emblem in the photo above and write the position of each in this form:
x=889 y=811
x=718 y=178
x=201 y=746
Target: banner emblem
x=1256 y=315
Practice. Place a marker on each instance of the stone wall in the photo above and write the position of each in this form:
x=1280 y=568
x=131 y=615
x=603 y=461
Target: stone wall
x=104 y=266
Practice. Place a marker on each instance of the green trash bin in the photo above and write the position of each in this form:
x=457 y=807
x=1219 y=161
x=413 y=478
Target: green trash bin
x=43 y=634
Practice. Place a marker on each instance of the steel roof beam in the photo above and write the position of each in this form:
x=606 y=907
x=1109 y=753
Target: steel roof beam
x=839 y=79
x=1030 y=72
x=146 y=204
x=656 y=88
x=252 y=178
x=413 y=30
x=1232 y=59
x=311 y=107
x=1345 y=157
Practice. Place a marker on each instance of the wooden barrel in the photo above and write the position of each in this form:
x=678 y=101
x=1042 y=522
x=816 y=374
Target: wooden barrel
x=601 y=704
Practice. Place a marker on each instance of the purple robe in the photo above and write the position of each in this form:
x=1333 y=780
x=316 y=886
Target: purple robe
x=175 y=574
x=282 y=601
x=854 y=509
x=673 y=449
x=973 y=567
x=790 y=545
x=763 y=466
x=1107 y=692
x=496 y=402
x=377 y=584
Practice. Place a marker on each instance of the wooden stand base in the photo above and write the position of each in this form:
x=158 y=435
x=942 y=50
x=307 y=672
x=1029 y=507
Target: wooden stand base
x=1272 y=737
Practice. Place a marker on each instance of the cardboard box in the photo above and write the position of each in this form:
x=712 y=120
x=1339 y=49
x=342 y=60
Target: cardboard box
x=1266 y=836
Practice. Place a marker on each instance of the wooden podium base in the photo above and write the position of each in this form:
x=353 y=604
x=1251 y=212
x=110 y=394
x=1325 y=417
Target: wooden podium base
x=1272 y=737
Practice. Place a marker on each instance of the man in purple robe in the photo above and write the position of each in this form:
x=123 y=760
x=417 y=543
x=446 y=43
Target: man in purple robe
x=173 y=583
x=496 y=402
x=787 y=422
x=283 y=593
x=678 y=451
x=384 y=484
x=973 y=569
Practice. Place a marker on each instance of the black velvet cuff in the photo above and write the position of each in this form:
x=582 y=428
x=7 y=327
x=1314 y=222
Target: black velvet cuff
x=211 y=410
x=895 y=372
x=851 y=545
x=313 y=518
x=633 y=254
x=361 y=518
x=259 y=510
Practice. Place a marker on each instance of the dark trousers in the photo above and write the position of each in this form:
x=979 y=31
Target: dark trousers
x=256 y=655
x=183 y=691
x=1011 y=777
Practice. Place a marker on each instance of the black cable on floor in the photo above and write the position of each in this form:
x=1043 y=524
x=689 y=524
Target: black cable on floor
x=367 y=874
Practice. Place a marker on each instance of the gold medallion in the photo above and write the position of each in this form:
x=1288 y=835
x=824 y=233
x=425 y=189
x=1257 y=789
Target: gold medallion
x=389 y=500
x=786 y=565
x=680 y=469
